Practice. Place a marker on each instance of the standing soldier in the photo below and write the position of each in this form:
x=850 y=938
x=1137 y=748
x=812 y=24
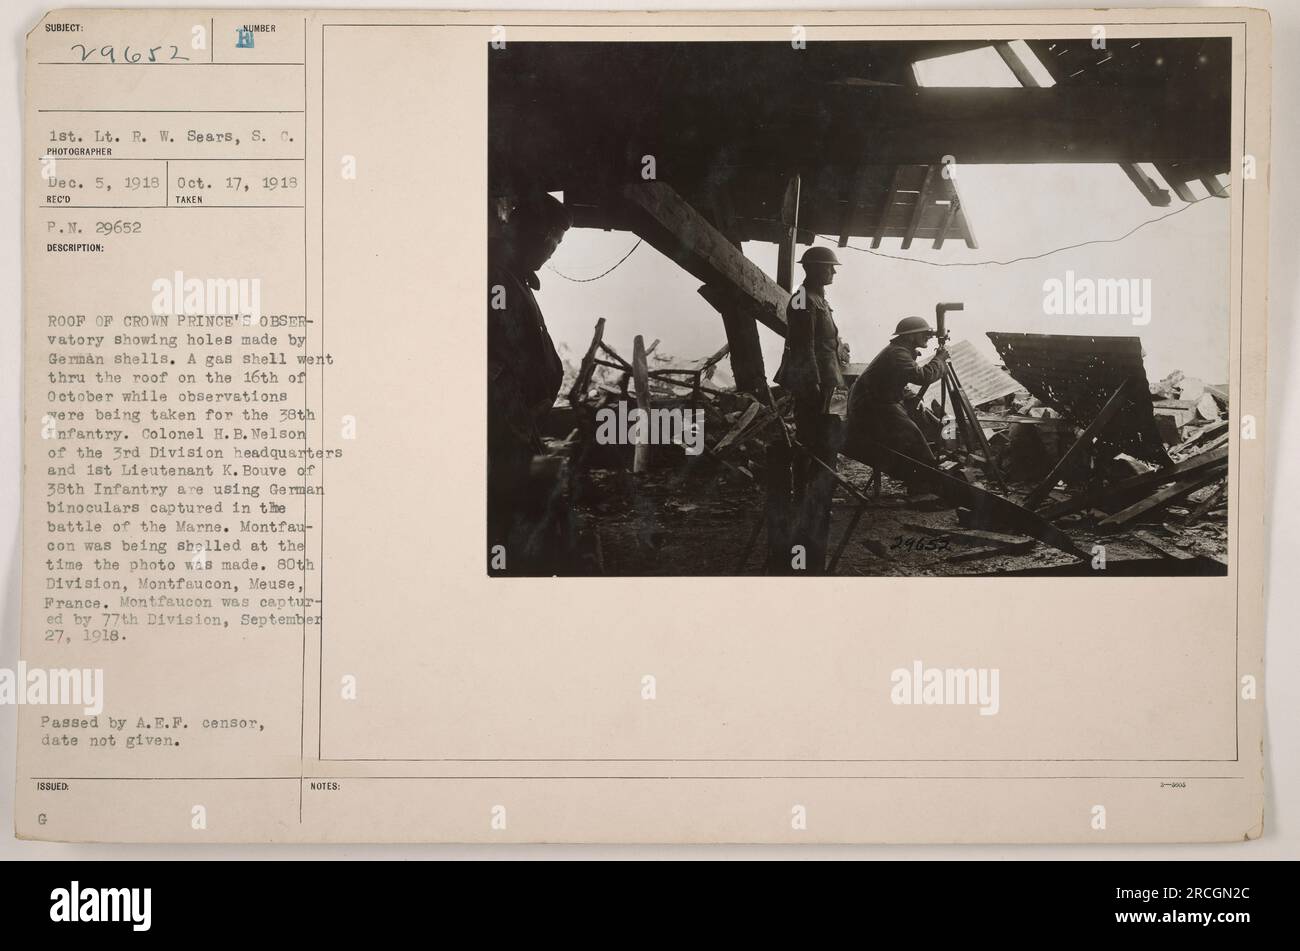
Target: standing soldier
x=524 y=376
x=811 y=370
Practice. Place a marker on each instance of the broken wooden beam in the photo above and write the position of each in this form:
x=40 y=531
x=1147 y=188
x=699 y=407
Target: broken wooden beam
x=743 y=343
x=588 y=365
x=1211 y=183
x=1153 y=193
x=669 y=224
x=1017 y=65
x=723 y=211
x=1160 y=545
x=716 y=358
x=991 y=509
x=1209 y=503
x=1175 y=181
x=945 y=225
x=962 y=222
x=1085 y=441
x=891 y=197
x=1144 y=183
x=641 y=452
x=553 y=148
x=922 y=200
x=969 y=536
x=732 y=434
x=1215 y=443
x=789 y=235
x=1147 y=480
x=856 y=199
x=1158 y=500
x=1211 y=431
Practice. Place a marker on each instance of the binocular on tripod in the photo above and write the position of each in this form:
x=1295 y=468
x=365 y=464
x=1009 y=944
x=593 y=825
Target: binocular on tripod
x=940 y=311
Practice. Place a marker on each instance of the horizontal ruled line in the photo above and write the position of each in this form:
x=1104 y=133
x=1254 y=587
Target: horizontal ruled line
x=169 y=158
x=313 y=778
x=107 y=63
x=209 y=111
x=161 y=207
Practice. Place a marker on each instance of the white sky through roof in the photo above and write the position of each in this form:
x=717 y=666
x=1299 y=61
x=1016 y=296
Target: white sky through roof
x=1014 y=210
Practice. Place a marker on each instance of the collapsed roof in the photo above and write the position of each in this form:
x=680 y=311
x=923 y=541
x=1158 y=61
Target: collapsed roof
x=729 y=123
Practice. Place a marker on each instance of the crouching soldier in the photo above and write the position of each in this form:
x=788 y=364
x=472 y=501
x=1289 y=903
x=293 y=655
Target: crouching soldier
x=878 y=401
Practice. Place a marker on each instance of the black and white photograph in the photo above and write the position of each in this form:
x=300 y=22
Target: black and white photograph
x=866 y=308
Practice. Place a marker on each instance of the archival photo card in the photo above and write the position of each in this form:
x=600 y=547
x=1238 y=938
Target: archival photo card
x=628 y=427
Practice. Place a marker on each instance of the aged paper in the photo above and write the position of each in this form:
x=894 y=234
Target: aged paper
x=960 y=539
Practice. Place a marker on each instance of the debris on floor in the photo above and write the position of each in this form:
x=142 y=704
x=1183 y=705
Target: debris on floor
x=1086 y=452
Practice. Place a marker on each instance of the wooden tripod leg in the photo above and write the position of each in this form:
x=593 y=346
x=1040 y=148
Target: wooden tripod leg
x=973 y=424
x=1085 y=440
x=943 y=405
x=965 y=424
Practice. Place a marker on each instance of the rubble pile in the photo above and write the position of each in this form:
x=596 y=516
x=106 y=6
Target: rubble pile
x=1048 y=463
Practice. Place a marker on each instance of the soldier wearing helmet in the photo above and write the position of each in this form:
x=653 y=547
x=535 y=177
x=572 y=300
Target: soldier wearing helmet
x=877 y=407
x=812 y=365
x=811 y=370
x=524 y=370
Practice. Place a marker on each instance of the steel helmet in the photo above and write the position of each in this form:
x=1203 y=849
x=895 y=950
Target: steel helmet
x=819 y=255
x=912 y=325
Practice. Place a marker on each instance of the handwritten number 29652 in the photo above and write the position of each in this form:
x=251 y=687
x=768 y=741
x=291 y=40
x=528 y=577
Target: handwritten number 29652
x=109 y=54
